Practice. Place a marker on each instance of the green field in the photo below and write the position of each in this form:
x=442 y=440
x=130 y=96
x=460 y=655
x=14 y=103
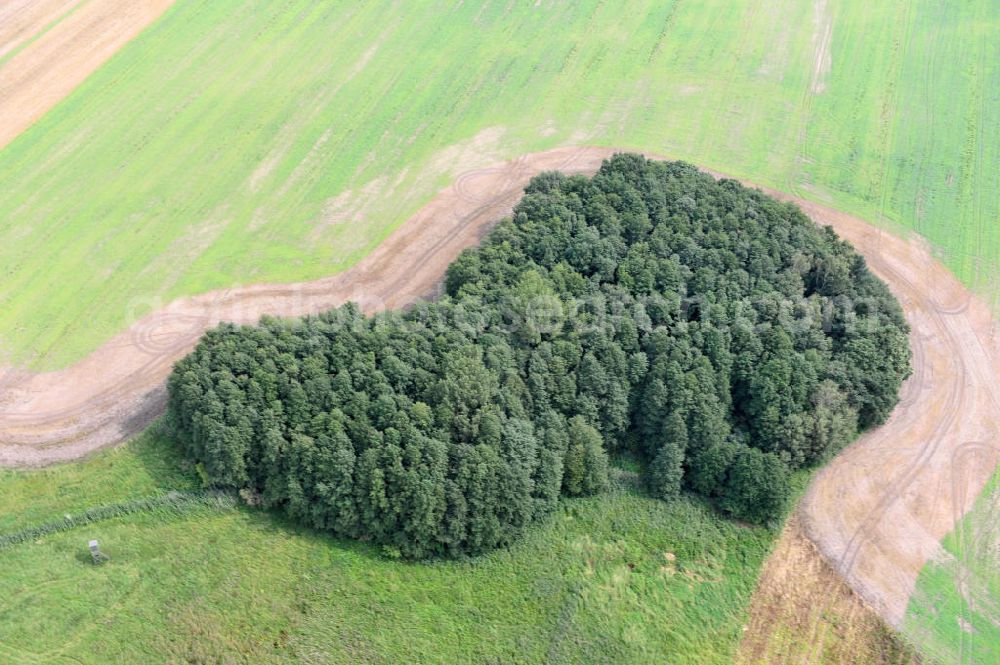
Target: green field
x=241 y=141
x=617 y=578
x=954 y=614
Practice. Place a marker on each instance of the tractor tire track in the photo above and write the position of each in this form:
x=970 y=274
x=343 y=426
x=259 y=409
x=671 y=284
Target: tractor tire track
x=876 y=513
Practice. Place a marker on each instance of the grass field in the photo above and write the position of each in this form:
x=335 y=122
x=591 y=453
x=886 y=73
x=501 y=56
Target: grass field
x=954 y=614
x=241 y=141
x=618 y=578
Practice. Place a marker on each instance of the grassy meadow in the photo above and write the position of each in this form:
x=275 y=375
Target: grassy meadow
x=242 y=141
x=618 y=578
x=954 y=614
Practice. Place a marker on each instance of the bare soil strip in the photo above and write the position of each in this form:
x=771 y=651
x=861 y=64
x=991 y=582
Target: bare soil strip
x=803 y=612
x=22 y=20
x=879 y=510
x=876 y=513
x=55 y=45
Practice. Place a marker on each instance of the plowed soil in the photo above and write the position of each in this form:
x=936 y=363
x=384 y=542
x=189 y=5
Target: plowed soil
x=876 y=513
x=52 y=46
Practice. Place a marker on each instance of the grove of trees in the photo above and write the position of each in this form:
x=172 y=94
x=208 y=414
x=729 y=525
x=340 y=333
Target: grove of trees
x=714 y=332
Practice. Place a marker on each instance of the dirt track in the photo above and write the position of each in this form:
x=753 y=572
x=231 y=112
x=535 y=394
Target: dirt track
x=877 y=512
x=54 y=45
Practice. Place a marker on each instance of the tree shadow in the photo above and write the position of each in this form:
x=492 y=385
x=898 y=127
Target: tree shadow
x=162 y=456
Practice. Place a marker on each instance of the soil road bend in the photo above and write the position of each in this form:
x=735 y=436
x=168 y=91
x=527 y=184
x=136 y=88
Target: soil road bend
x=876 y=513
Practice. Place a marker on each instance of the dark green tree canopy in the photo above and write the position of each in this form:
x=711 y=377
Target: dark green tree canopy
x=715 y=332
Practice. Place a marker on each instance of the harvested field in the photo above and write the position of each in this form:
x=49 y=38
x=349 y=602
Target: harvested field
x=48 y=48
x=804 y=613
x=22 y=21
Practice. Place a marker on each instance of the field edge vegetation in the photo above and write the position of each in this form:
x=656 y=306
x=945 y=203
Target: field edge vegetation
x=623 y=576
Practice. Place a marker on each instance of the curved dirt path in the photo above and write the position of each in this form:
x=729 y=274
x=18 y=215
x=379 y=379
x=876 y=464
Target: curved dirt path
x=117 y=390
x=877 y=512
x=49 y=47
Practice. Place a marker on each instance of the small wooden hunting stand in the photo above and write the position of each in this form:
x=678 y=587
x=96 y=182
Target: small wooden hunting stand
x=96 y=554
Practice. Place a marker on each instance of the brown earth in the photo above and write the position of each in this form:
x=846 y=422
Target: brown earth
x=54 y=45
x=879 y=510
x=20 y=20
x=876 y=513
x=803 y=613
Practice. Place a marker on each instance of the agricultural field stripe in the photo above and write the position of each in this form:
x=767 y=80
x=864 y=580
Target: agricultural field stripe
x=42 y=71
x=10 y=49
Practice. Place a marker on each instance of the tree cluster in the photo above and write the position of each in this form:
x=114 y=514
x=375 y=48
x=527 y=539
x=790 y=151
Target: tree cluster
x=715 y=332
